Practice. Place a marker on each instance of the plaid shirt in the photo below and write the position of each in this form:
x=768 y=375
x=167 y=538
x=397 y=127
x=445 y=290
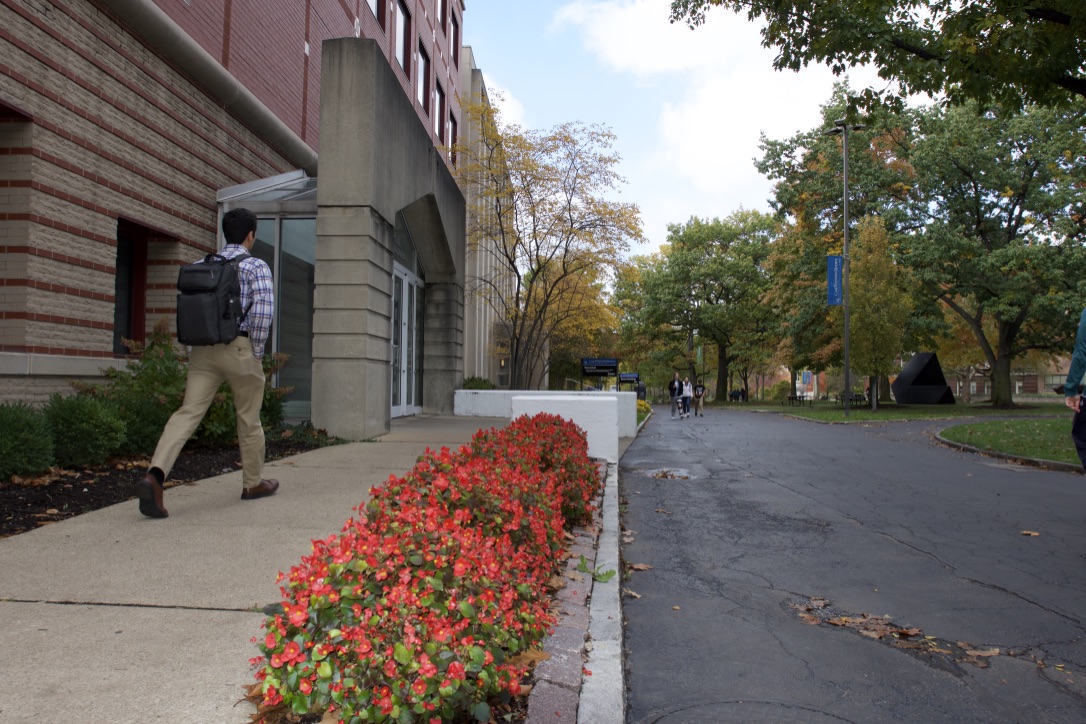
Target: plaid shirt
x=256 y=289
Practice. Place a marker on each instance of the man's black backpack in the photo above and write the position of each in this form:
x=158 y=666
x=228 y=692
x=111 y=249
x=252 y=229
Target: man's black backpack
x=209 y=304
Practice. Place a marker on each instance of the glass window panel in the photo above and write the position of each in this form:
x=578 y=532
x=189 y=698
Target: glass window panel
x=298 y=241
x=397 y=326
x=420 y=315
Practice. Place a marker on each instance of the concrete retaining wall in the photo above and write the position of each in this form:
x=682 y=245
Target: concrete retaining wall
x=597 y=415
x=499 y=403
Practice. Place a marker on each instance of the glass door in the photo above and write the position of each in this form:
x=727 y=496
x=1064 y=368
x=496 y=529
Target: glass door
x=406 y=343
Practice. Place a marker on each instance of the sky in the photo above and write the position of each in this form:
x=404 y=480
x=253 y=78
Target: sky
x=687 y=106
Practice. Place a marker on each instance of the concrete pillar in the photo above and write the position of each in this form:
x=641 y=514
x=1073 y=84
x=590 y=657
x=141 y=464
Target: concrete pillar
x=351 y=323
x=443 y=361
x=378 y=160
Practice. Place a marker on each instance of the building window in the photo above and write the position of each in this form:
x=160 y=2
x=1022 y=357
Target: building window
x=439 y=114
x=454 y=41
x=403 y=35
x=442 y=13
x=130 y=285
x=423 y=83
x=377 y=7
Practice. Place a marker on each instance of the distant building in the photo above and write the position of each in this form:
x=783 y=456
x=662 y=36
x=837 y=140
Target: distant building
x=127 y=127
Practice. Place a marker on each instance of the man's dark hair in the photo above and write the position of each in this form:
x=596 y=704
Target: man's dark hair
x=236 y=225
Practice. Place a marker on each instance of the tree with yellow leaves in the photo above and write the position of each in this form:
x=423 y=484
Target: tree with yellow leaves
x=539 y=212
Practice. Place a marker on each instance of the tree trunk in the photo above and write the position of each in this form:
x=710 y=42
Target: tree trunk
x=722 y=388
x=793 y=375
x=1002 y=397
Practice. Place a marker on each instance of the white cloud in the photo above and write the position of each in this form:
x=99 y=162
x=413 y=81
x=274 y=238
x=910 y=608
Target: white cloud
x=721 y=94
x=634 y=36
x=510 y=107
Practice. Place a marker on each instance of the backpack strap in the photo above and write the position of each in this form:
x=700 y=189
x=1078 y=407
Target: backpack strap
x=235 y=261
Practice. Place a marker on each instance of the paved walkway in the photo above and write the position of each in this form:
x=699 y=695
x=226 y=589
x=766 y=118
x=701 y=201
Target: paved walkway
x=113 y=617
x=758 y=527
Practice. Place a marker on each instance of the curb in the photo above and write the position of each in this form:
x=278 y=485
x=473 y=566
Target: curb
x=1031 y=462
x=583 y=678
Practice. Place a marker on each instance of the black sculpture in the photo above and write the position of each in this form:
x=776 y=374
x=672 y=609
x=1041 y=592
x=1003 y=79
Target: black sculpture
x=922 y=382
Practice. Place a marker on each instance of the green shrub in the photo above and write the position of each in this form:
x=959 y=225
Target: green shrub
x=152 y=387
x=26 y=445
x=147 y=391
x=477 y=383
x=779 y=391
x=86 y=430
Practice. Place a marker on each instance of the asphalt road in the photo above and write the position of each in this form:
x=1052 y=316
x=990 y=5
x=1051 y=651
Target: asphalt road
x=777 y=548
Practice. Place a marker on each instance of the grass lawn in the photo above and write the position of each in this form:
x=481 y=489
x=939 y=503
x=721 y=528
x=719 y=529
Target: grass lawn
x=829 y=412
x=1034 y=429
x=1045 y=439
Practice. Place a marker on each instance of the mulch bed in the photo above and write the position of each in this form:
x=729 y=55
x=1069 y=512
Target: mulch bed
x=61 y=494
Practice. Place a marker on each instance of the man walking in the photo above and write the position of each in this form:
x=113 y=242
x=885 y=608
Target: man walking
x=699 y=399
x=238 y=363
x=675 y=389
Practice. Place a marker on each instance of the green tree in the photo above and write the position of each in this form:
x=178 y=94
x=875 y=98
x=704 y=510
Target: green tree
x=807 y=170
x=985 y=50
x=708 y=286
x=542 y=218
x=880 y=306
x=1003 y=225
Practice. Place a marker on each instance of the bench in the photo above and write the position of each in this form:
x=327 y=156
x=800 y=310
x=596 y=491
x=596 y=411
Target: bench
x=799 y=400
x=857 y=398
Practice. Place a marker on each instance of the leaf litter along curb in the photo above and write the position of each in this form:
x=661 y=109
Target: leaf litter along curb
x=816 y=611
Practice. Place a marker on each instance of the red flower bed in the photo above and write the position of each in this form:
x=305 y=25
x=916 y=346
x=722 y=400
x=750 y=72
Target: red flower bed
x=415 y=609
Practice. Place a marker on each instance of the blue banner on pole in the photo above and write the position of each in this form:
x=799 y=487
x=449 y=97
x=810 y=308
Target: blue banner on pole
x=833 y=280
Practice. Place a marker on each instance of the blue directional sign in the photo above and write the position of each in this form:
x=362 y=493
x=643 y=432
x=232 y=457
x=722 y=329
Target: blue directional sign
x=834 y=295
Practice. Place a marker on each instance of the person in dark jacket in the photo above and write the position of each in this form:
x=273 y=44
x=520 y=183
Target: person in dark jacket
x=675 y=389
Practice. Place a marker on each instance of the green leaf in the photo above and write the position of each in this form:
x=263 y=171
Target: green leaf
x=481 y=712
x=402 y=654
x=324 y=671
x=467 y=610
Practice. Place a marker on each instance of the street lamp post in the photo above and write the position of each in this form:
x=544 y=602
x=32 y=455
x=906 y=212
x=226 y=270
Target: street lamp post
x=842 y=128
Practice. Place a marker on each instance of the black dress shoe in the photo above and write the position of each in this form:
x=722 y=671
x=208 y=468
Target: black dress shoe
x=149 y=492
x=262 y=490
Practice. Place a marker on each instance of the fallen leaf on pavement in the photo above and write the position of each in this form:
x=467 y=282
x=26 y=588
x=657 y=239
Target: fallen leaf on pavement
x=640 y=567
x=676 y=608
x=983 y=652
x=1030 y=533
x=631 y=594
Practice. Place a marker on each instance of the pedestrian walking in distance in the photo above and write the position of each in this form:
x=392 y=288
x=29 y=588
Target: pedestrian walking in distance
x=699 y=399
x=675 y=389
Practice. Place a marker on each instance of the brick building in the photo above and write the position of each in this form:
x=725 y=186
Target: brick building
x=127 y=127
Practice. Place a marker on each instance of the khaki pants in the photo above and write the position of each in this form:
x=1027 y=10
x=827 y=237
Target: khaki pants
x=209 y=367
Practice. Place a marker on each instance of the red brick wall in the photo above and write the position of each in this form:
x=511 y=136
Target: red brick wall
x=263 y=44
x=111 y=131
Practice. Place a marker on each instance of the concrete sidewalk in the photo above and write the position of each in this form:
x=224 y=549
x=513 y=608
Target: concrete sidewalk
x=114 y=617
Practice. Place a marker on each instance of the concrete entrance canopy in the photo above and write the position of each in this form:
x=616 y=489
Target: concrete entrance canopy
x=378 y=160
